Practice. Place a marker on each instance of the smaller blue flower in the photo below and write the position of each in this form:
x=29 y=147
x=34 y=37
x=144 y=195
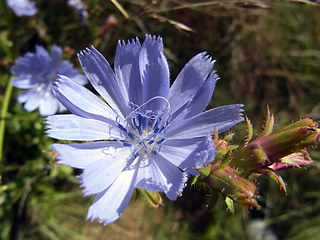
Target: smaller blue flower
x=22 y=7
x=79 y=7
x=36 y=73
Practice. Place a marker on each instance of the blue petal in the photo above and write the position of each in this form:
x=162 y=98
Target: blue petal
x=32 y=103
x=79 y=78
x=99 y=175
x=27 y=65
x=43 y=58
x=25 y=81
x=190 y=80
x=183 y=152
x=61 y=107
x=154 y=70
x=81 y=101
x=72 y=127
x=203 y=154
x=199 y=102
x=150 y=177
x=103 y=79
x=31 y=98
x=201 y=125
x=34 y=96
x=126 y=66
x=109 y=205
x=65 y=68
x=22 y=7
x=48 y=105
x=158 y=174
x=84 y=154
x=24 y=96
x=56 y=54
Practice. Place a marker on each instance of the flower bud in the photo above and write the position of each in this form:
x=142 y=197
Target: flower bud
x=238 y=188
x=291 y=139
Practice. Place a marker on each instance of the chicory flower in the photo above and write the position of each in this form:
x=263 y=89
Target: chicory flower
x=22 y=7
x=36 y=73
x=147 y=135
x=80 y=8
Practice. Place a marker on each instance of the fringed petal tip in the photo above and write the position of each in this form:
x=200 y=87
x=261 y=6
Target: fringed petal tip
x=85 y=192
x=153 y=42
x=241 y=110
x=133 y=41
x=91 y=218
x=49 y=119
x=59 y=156
x=86 y=51
x=206 y=155
x=182 y=185
x=46 y=121
x=153 y=38
x=60 y=80
x=215 y=75
x=237 y=108
x=208 y=58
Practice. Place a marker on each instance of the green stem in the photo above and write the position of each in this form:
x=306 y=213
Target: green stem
x=3 y=116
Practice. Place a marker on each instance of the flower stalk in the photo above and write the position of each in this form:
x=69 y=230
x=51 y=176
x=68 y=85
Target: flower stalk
x=4 y=111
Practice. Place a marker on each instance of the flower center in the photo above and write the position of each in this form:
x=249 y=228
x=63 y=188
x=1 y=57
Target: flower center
x=144 y=130
x=49 y=76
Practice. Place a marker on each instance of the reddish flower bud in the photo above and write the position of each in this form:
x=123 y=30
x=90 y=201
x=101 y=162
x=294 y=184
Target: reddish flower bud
x=238 y=188
x=288 y=141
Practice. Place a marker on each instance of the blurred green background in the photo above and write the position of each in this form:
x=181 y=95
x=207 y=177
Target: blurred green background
x=267 y=53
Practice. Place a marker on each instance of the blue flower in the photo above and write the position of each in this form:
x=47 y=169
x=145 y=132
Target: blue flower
x=147 y=135
x=36 y=73
x=22 y=7
x=79 y=7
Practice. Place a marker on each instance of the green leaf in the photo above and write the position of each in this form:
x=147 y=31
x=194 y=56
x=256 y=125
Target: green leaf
x=230 y=204
x=194 y=179
x=3 y=188
x=205 y=171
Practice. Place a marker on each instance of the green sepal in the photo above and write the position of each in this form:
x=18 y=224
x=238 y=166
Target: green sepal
x=269 y=124
x=233 y=147
x=153 y=198
x=230 y=204
x=205 y=171
x=225 y=160
x=250 y=131
x=229 y=137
